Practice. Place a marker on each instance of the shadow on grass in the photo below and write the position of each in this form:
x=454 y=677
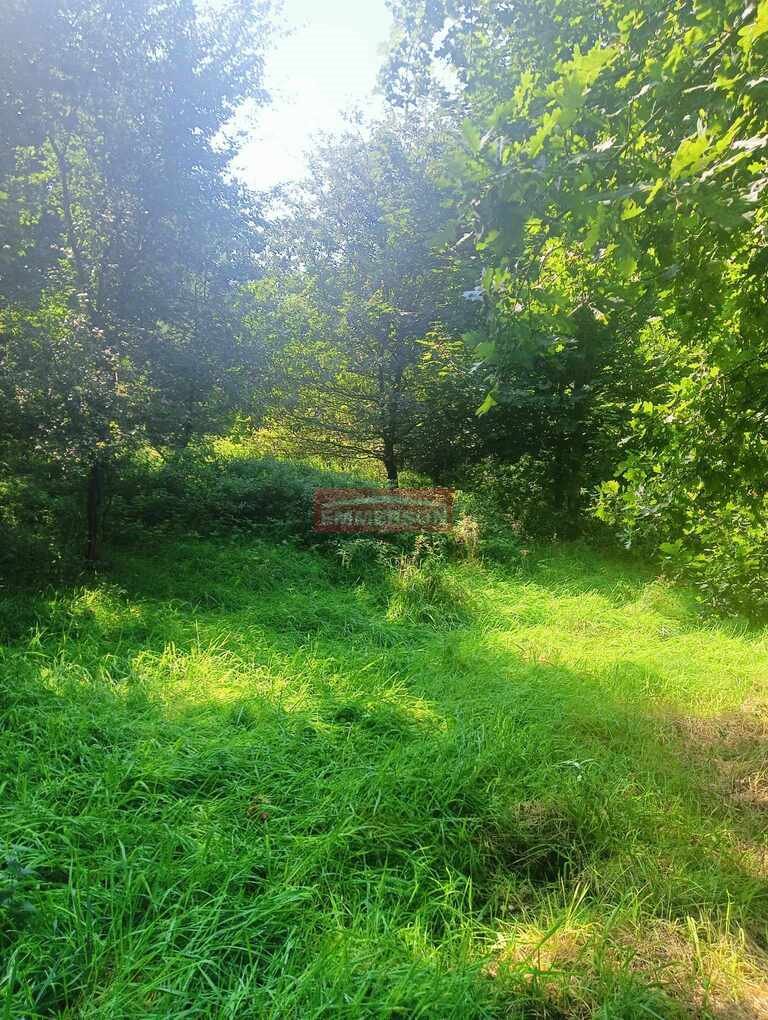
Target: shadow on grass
x=316 y=769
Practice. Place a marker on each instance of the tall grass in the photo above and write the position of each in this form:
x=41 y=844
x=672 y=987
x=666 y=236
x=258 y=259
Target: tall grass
x=241 y=779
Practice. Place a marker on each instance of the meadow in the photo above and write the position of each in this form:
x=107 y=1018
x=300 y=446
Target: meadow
x=249 y=770
x=242 y=777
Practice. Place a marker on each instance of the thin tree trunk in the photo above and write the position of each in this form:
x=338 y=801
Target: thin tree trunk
x=93 y=506
x=392 y=473
x=390 y=463
x=66 y=201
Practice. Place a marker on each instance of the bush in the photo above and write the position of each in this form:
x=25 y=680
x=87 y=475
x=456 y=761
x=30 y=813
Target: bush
x=510 y=500
x=720 y=548
x=213 y=495
x=40 y=526
x=726 y=560
x=353 y=559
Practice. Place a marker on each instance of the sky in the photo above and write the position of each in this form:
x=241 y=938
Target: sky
x=327 y=64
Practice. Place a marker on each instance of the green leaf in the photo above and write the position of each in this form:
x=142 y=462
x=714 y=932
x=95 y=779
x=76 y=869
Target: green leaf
x=595 y=229
x=670 y=548
x=569 y=92
x=585 y=68
x=631 y=209
x=655 y=189
x=489 y=402
x=486 y=351
x=626 y=259
x=749 y=35
x=487 y=239
x=690 y=154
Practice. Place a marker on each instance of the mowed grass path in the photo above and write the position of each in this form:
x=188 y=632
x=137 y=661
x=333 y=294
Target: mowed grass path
x=240 y=781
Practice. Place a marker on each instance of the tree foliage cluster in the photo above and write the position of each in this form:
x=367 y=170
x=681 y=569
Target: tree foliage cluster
x=123 y=247
x=613 y=173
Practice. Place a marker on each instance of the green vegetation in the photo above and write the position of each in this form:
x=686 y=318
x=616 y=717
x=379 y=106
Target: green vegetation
x=545 y=257
x=251 y=770
x=611 y=171
x=238 y=781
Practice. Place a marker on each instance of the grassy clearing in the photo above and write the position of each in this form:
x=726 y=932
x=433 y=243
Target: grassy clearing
x=239 y=781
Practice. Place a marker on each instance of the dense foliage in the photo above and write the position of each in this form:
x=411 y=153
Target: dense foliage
x=613 y=174
x=545 y=262
x=121 y=241
x=374 y=306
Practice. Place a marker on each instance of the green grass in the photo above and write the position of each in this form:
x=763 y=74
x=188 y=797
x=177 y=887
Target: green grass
x=238 y=781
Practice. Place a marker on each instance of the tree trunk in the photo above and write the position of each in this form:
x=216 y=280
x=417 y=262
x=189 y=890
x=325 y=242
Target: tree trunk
x=93 y=510
x=392 y=474
x=390 y=463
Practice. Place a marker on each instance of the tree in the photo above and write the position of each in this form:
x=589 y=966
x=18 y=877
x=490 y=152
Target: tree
x=125 y=244
x=613 y=167
x=373 y=299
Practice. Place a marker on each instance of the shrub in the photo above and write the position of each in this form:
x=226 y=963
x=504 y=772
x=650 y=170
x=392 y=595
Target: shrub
x=466 y=531
x=726 y=559
x=721 y=548
x=40 y=527
x=510 y=499
x=361 y=557
x=213 y=495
